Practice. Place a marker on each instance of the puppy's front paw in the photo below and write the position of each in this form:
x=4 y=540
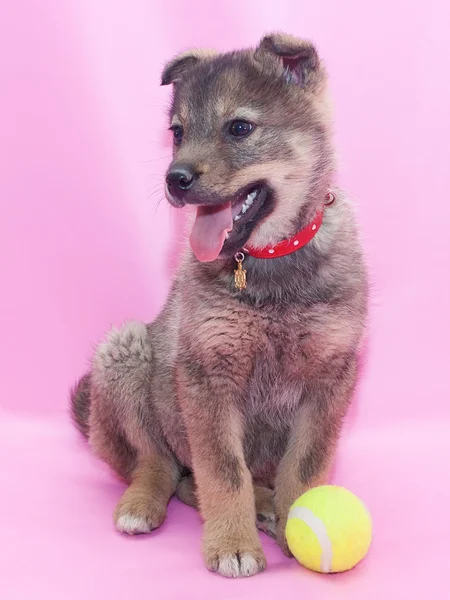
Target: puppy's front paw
x=236 y=564
x=135 y=515
x=234 y=557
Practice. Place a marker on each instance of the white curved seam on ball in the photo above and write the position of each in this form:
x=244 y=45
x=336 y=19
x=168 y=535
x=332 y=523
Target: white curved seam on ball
x=320 y=531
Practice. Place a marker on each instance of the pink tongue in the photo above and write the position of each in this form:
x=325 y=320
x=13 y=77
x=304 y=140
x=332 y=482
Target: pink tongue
x=209 y=231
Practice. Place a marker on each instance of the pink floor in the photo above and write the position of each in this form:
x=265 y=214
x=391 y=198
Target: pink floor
x=85 y=243
x=57 y=539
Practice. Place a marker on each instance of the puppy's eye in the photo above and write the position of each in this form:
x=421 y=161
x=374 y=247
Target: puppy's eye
x=240 y=128
x=177 y=134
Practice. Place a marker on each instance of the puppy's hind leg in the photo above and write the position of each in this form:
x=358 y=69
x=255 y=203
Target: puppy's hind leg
x=187 y=491
x=124 y=429
x=143 y=505
x=265 y=510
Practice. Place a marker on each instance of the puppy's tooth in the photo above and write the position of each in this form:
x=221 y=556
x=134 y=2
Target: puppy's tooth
x=249 y=201
x=244 y=208
x=252 y=195
x=236 y=218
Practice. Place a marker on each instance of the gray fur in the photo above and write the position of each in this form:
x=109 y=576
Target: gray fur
x=227 y=384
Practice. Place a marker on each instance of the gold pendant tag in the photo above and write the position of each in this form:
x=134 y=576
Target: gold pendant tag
x=240 y=274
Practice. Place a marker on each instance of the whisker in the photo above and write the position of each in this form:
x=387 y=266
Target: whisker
x=153 y=159
x=155 y=187
x=158 y=204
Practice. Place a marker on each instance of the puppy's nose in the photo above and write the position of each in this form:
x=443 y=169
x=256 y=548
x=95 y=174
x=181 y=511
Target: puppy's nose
x=179 y=179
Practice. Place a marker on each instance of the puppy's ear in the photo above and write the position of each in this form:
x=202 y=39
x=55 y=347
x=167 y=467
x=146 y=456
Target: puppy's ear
x=181 y=64
x=299 y=58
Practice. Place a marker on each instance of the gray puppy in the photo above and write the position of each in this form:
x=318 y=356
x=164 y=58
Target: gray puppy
x=233 y=398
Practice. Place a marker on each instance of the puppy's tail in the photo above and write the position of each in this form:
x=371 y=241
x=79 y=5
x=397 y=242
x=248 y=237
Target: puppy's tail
x=80 y=404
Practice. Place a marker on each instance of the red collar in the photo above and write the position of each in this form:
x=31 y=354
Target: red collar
x=296 y=242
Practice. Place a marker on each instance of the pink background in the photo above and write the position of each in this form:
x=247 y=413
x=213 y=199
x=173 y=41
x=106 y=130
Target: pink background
x=85 y=243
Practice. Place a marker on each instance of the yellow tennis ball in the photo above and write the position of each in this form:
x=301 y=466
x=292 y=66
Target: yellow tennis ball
x=329 y=529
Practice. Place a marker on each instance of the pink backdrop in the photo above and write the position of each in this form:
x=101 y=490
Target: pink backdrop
x=85 y=243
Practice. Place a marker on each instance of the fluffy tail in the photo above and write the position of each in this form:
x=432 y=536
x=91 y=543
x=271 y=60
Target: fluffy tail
x=80 y=404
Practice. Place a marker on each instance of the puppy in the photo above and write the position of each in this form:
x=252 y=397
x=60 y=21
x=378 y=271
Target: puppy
x=233 y=398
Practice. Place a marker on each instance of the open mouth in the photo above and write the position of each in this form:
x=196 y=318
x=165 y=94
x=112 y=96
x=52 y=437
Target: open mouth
x=245 y=207
x=228 y=225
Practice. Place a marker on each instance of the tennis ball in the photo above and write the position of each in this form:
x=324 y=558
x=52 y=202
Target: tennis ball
x=329 y=529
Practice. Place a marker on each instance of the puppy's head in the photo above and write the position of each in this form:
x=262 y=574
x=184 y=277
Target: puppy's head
x=251 y=141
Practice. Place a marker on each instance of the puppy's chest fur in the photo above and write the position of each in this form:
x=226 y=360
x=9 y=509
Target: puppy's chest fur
x=275 y=348
x=272 y=347
x=279 y=365
x=282 y=360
